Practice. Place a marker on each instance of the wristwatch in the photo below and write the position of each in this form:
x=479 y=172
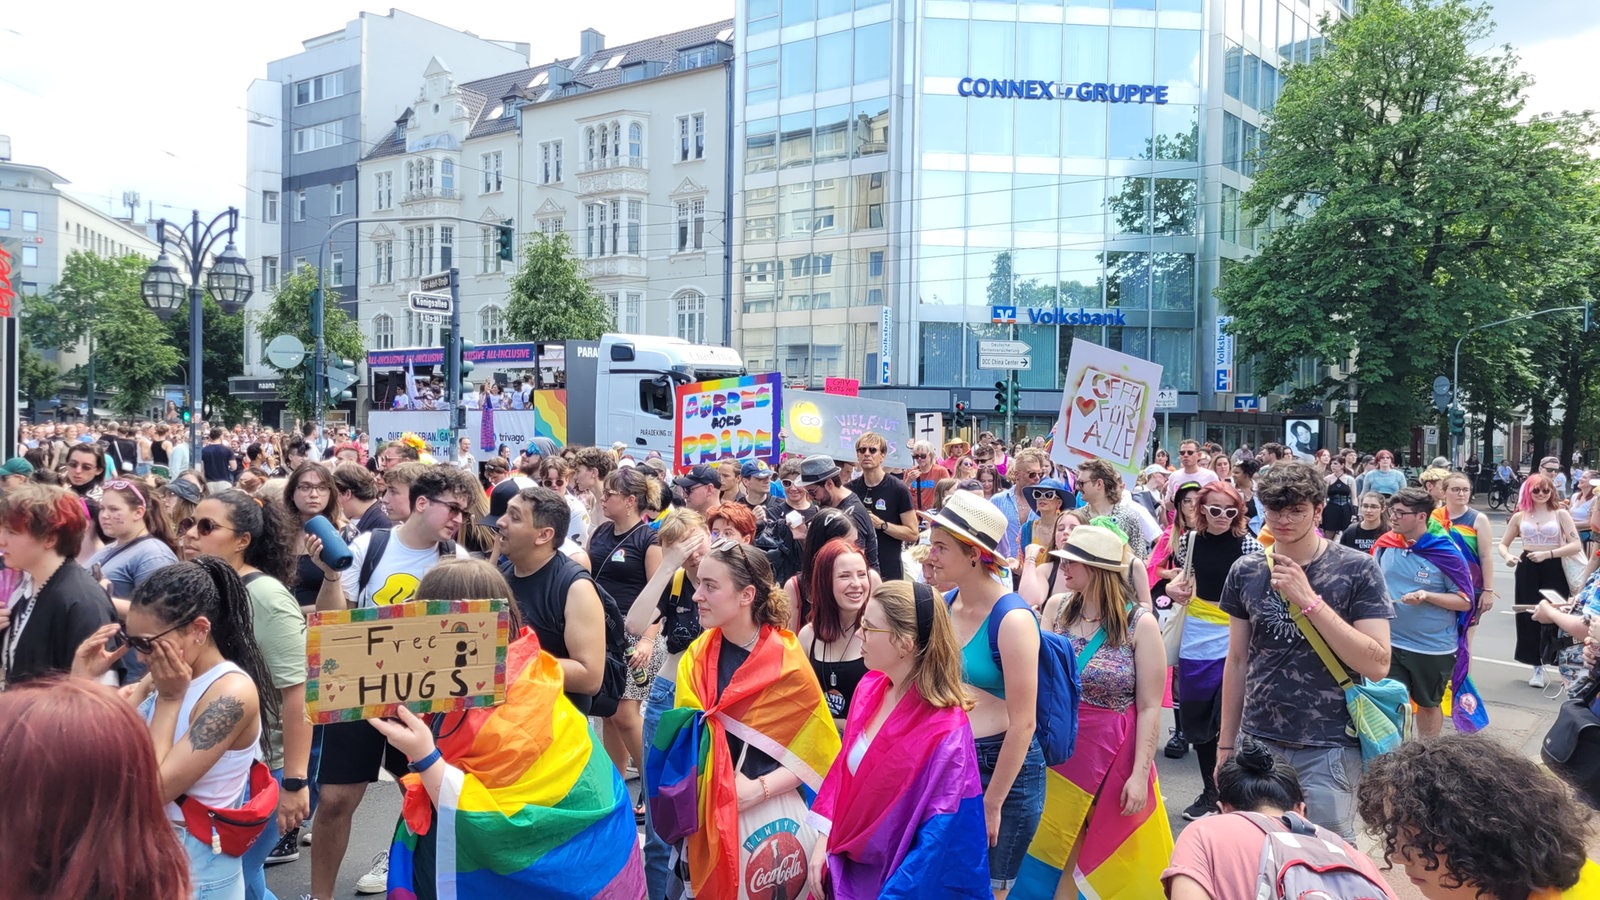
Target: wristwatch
x=294 y=784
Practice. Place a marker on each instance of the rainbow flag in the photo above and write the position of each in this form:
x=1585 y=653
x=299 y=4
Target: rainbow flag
x=775 y=705
x=531 y=806
x=1465 y=538
x=1121 y=856
x=911 y=825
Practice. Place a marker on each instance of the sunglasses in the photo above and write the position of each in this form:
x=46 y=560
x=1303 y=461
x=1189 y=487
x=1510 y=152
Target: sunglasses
x=456 y=508
x=202 y=526
x=1540 y=490
x=919 y=456
x=147 y=645
x=867 y=450
x=1045 y=494
x=1188 y=452
x=1221 y=512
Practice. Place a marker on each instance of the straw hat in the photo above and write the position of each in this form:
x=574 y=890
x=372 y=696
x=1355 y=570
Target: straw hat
x=972 y=519
x=1096 y=546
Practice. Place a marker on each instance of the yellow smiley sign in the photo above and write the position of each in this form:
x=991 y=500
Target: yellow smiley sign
x=397 y=588
x=806 y=422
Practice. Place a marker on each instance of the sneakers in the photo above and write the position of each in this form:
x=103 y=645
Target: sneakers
x=305 y=832
x=1537 y=681
x=377 y=880
x=1203 y=805
x=1177 y=746
x=287 y=850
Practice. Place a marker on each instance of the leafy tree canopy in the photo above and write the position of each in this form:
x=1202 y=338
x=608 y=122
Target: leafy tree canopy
x=290 y=313
x=550 y=300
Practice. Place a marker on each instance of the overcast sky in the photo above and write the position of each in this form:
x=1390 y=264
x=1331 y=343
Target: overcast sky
x=128 y=98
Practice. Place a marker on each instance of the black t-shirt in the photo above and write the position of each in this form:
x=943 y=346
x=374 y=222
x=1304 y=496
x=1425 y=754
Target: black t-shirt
x=1360 y=538
x=215 y=458
x=542 y=599
x=866 y=535
x=680 y=618
x=756 y=762
x=618 y=560
x=124 y=452
x=373 y=518
x=61 y=615
x=889 y=499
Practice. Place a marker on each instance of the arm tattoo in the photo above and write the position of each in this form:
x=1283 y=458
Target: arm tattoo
x=216 y=723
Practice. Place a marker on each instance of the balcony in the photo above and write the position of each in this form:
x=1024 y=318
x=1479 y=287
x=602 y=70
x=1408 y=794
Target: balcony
x=604 y=163
x=430 y=193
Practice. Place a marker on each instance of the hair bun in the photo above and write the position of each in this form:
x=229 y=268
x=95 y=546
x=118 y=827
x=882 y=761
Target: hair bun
x=1254 y=757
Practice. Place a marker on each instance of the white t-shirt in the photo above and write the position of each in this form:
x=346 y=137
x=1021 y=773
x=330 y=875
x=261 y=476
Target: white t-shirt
x=397 y=574
x=1202 y=476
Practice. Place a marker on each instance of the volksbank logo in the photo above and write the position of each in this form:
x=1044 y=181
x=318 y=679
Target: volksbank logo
x=1007 y=315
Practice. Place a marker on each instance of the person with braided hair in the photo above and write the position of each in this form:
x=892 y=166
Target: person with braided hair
x=206 y=699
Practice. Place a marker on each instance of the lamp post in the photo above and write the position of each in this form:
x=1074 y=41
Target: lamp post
x=229 y=281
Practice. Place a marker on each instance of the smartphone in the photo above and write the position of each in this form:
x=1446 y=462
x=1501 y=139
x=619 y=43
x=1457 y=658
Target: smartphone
x=1556 y=600
x=95 y=571
x=1524 y=607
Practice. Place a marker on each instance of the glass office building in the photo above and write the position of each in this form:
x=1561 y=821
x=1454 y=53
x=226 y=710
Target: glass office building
x=915 y=176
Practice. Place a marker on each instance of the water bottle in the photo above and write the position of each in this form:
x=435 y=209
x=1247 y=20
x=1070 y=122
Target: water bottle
x=336 y=553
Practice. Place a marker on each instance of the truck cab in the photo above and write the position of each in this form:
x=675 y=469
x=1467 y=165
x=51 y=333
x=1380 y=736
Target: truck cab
x=634 y=383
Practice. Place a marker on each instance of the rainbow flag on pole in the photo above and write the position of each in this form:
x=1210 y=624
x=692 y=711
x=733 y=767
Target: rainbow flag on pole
x=531 y=806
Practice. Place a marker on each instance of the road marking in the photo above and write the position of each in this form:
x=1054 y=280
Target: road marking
x=1501 y=662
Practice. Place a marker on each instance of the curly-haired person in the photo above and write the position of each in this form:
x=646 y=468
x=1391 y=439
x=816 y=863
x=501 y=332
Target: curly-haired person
x=1470 y=818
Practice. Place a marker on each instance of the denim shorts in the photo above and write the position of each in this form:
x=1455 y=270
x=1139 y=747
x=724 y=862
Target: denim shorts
x=1328 y=776
x=1019 y=814
x=214 y=876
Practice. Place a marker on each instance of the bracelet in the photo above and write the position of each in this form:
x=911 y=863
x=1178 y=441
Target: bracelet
x=1313 y=607
x=765 y=793
x=330 y=580
x=424 y=763
x=1224 y=748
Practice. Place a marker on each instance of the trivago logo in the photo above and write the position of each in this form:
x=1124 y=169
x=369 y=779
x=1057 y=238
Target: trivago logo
x=1057 y=315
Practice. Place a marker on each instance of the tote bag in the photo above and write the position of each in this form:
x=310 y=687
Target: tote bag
x=1172 y=626
x=775 y=847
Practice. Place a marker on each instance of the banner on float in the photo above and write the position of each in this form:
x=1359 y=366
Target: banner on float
x=428 y=656
x=1107 y=409
x=830 y=423
x=730 y=418
x=488 y=428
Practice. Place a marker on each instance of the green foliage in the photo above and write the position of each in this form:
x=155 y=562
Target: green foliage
x=290 y=313
x=97 y=301
x=37 y=380
x=550 y=300
x=1427 y=208
x=222 y=356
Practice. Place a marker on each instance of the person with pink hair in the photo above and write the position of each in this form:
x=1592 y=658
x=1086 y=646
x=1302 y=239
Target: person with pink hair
x=1548 y=535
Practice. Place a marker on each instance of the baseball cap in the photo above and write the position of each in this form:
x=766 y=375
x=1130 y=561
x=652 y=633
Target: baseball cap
x=755 y=468
x=16 y=465
x=1154 y=469
x=697 y=476
x=499 y=499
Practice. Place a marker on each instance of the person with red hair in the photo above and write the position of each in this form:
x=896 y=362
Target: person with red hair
x=56 y=603
x=1548 y=534
x=733 y=521
x=87 y=821
x=840 y=586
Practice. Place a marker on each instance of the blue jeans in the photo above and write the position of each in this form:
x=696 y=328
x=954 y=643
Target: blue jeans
x=656 y=875
x=255 y=859
x=1019 y=814
x=216 y=876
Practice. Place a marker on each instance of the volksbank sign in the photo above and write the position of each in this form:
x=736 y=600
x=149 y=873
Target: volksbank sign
x=1086 y=91
x=1007 y=315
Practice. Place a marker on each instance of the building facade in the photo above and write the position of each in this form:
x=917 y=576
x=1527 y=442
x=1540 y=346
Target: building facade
x=623 y=149
x=915 y=177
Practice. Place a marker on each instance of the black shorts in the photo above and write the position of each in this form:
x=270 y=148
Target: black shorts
x=1425 y=675
x=353 y=752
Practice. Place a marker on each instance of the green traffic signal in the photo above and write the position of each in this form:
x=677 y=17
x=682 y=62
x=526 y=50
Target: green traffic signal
x=1002 y=396
x=463 y=367
x=506 y=236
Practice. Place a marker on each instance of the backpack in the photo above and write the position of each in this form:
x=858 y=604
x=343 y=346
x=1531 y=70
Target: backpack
x=1056 y=703
x=615 y=678
x=1303 y=861
x=375 y=547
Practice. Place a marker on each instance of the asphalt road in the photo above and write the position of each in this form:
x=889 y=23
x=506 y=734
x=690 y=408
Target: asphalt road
x=1518 y=715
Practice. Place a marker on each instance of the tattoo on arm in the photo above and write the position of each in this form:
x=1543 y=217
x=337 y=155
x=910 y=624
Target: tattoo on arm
x=216 y=723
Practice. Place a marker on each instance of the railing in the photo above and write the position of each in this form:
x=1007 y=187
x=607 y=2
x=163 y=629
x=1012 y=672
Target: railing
x=430 y=194
x=602 y=163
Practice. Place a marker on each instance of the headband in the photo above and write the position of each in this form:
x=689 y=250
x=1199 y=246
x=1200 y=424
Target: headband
x=126 y=485
x=922 y=599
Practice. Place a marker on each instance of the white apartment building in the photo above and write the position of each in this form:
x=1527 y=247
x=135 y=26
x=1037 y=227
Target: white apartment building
x=622 y=148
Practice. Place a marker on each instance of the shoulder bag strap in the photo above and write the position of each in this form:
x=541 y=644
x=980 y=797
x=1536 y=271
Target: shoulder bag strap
x=369 y=563
x=118 y=552
x=1314 y=638
x=1091 y=648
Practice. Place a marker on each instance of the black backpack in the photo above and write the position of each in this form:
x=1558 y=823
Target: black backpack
x=615 y=678
x=378 y=543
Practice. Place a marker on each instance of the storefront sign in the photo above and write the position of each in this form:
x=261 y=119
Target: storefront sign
x=1224 y=355
x=1107 y=410
x=1057 y=315
x=730 y=418
x=885 y=342
x=1085 y=91
x=491 y=354
x=489 y=429
x=829 y=424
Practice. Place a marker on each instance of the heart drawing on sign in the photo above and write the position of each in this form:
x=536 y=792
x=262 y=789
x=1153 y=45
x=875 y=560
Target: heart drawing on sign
x=380 y=663
x=425 y=659
x=1086 y=405
x=481 y=684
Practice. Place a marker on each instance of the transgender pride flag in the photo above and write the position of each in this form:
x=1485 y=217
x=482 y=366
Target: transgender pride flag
x=486 y=429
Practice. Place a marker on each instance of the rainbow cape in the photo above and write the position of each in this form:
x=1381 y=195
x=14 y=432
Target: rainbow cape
x=1121 y=856
x=911 y=825
x=531 y=806
x=773 y=704
x=1465 y=537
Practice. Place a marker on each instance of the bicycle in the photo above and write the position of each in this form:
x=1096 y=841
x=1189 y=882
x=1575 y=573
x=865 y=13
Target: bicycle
x=1503 y=494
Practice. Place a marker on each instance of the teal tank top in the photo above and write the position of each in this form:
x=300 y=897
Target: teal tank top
x=977 y=663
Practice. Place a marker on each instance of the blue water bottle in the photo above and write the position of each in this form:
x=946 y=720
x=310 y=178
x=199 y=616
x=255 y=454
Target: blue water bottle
x=336 y=553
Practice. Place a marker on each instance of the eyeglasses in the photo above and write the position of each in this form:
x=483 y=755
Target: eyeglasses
x=1045 y=494
x=455 y=508
x=868 y=629
x=1399 y=512
x=1289 y=515
x=1550 y=471
x=82 y=466
x=148 y=644
x=1030 y=474
x=311 y=487
x=554 y=482
x=1221 y=512
x=868 y=451
x=202 y=527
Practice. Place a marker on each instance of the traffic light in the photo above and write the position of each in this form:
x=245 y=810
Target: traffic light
x=187 y=413
x=961 y=414
x=1002 y=396
x=462 y=385
x=1458 y=420
x=1014 y=395
x=448 y=366
x=341 y=377
x=507 y=235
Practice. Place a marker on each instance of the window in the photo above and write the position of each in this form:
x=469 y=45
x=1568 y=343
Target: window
x=635 y=225
x=635 y=141
x=336 y=204
x=322 y=87
x=383 y=332
x=300 y=262
x=589 y=144
x=447 y=243
x=490 y=261
x=421 y=333
x=875 y=264
x=552 y=226
x=691 y=137
x=447 y=176
x=30 y=220
x=691 y=225
x=5 y=222
x=492 y=321
x=269 y=272
x=689 y=309
x=616 y=226
x=383 y=266
x=383 y=190
x=337 y=278
x=316 y=137
x=299 y=206
x=549 y=162
x=269 y=206
x=491 y=172
x=625 y=308
x=30 y=255
x=695 y=57
x=596 y=236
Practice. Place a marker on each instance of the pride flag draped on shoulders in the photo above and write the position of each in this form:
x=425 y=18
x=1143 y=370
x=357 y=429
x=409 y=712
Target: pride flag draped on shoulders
x=531 y=806
x=774 y=705
x=909 y=822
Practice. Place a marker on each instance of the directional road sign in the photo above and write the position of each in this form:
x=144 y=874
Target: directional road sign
x=1006 y=361
x=1004 y=348
x=436 y=304
x=1167 y=398
x=438 y=283
x=339 y=379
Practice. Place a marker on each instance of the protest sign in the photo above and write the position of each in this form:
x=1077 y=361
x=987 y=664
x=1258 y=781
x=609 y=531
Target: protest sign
x=829 y=424
x=428 y=656
x=1107 y=410
x=730 y=418
x=487 y=428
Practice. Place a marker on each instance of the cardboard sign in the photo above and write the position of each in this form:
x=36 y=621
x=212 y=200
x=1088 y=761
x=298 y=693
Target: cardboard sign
x=844 y=387
x=829 y=424
x=428 y=656
x=1107 y=410
x=730 y=418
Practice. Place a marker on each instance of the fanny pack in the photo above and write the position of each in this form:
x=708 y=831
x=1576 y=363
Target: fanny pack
x=233 y=830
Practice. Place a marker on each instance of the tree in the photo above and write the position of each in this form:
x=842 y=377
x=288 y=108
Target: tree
x=290 y=313
x=97 y=302
x=37 y=379
x=550 y=299
x=222 y=356
x=1412 y=201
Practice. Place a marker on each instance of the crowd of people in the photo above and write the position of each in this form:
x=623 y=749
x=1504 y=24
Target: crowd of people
x=827 y=677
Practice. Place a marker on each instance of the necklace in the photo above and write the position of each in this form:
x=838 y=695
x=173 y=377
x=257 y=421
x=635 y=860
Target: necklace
x=746 y=645
x=833 y=675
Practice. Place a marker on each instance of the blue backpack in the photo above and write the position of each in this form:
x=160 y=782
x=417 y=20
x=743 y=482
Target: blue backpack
x=1056 y=703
